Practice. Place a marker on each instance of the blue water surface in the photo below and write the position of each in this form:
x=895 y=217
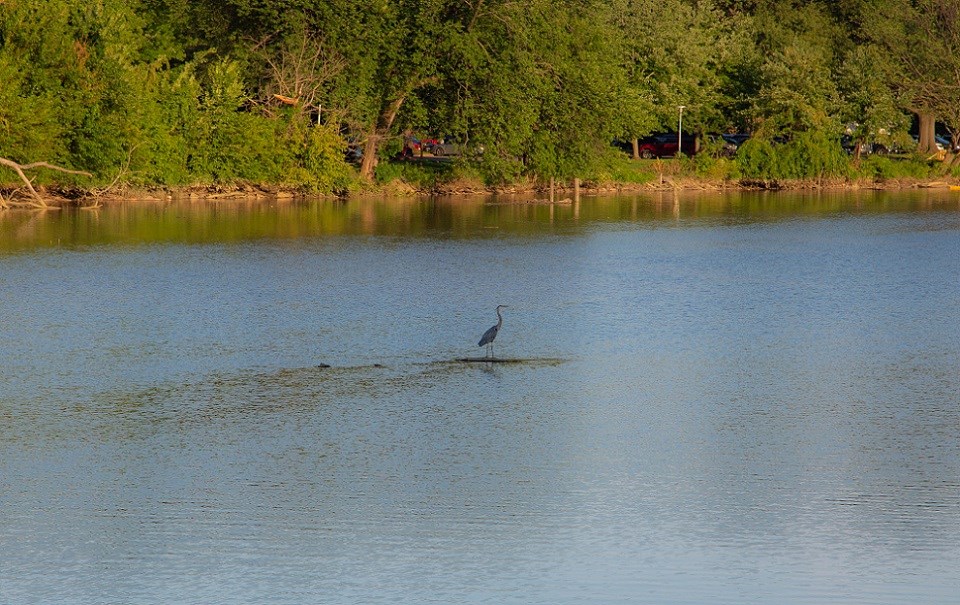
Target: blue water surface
x=736 y=400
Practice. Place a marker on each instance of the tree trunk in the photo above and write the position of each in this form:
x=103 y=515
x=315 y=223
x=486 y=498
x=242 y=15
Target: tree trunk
x=928 y=143
x=369 y=161
x=382 y=129
x=636 y=148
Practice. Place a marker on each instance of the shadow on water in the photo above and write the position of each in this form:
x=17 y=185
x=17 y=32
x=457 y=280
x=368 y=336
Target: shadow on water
x=245 y=396
x=184 y=222
x=534 y=362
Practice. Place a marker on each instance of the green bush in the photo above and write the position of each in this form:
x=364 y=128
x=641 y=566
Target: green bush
x=611 y=165
x=632 y=175
x=813 y=155
x=705 y=165
x=499 y=168
x=415 y=174
x=170 y=130
x=954 y=170
x=319 y=166
x=808 y=155
x=757 y=159
x=29 y=130
x=882 y=167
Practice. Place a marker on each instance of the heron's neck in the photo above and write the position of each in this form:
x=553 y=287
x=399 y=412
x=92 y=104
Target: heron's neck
x=499 y=317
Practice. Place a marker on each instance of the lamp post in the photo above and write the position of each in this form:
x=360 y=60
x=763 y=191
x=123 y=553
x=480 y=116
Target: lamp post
x=680 y=131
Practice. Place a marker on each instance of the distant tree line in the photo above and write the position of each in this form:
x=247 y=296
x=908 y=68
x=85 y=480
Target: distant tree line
x=179 y=92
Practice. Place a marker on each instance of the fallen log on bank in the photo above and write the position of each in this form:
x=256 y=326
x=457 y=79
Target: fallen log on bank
x=38 y=201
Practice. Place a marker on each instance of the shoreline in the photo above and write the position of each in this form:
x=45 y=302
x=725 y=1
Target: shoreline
x=61 y=197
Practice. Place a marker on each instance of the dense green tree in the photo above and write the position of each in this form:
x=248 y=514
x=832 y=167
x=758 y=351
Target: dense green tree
x=797 y=91
x=921 y=40
x=390 y=50
x=870 y=109
x=177 y=92
x=539 y=84
x=678 y=52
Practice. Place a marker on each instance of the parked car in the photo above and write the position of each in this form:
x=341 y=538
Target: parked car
x=733 y=141
x=665 y=144
x=886 y=149
x=427 y=144
x=850 y=144
x=941 y=142
x=450 y=147
x=354 y=153
x=944 y=142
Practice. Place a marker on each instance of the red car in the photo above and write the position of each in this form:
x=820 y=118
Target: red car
x=665 y=145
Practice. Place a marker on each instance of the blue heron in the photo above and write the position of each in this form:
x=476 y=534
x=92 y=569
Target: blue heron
x=489 y=335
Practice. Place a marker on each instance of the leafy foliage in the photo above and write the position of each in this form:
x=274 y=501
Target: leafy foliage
x=810 y=155
x=177 y=92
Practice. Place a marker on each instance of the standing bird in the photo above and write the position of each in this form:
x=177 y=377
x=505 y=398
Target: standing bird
x=489 y=335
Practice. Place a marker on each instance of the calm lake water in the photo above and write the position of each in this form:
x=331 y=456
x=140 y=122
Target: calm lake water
x=744 y=398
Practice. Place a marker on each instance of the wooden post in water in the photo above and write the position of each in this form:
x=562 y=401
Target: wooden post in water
x=576 y=199
x=551 y=189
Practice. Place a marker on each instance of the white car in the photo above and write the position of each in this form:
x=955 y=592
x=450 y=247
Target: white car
x=449 y=147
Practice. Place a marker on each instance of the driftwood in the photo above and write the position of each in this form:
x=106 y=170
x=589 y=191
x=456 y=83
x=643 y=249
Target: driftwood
x=38 y=200
x=286 y=100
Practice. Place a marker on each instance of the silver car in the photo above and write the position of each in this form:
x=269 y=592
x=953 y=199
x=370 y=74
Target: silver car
x=449 y=147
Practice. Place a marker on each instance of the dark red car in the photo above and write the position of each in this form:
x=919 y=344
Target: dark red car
x=665 y=145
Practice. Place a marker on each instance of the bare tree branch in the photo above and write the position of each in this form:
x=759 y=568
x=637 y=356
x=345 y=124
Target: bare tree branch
x=297 y=72
x=19 y=168
x=52 y=167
